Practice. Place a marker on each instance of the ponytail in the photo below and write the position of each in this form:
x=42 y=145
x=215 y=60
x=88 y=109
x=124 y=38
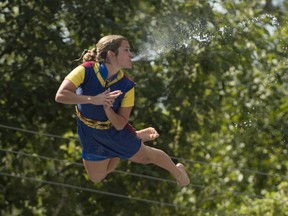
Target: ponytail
x=88 y=55
x=100 y=51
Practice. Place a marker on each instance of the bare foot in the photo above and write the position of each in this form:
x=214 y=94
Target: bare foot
x=183 y=179
x=147 y=134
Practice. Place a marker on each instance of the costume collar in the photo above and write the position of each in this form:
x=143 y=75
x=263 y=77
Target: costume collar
x=102 y=74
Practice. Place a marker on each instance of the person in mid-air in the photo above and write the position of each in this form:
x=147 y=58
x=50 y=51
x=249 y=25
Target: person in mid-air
x=105 y=96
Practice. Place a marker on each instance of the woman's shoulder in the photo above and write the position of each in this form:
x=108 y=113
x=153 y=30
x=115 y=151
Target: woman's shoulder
x=88 y=64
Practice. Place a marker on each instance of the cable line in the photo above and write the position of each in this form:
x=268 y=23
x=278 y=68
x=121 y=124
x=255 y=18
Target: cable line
x=241 y=169
x=136 y=174
x=80 y=164
x=35 y=132
x=94 y=191
x=173 y=157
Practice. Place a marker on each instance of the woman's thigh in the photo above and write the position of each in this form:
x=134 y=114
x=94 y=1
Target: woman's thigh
x=144 y=155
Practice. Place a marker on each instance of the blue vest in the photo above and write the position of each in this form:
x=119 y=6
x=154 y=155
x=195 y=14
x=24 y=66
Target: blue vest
x=92 y=87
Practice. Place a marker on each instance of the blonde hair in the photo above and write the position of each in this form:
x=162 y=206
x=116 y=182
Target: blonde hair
x=105 y=44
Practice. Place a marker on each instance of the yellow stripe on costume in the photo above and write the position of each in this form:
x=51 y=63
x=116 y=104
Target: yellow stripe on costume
x=128 y=100
x=76 y=76
x=120 y=75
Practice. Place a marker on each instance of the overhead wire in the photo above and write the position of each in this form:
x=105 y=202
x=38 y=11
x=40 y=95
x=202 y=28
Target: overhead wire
x=93 y=190
x=236 y=193
x=216 y=193
x=65 y=185
x=173 y=157
x=35 y=132
x=80 y=164
x=131 y=173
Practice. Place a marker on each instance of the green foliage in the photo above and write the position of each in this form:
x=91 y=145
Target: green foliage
x=213 y=82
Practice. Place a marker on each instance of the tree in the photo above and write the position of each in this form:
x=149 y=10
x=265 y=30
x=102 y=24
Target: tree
x=212 y=80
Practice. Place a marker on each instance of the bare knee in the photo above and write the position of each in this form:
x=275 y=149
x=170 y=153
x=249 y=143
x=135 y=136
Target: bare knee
x=96 y=170
x=97 y=178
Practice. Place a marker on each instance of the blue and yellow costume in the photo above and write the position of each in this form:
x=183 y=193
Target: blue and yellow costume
x=99 y=139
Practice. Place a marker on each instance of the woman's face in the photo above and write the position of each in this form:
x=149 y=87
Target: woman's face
x=123 y=59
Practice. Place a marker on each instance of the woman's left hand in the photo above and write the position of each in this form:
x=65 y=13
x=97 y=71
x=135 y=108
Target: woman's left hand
x=108 y=103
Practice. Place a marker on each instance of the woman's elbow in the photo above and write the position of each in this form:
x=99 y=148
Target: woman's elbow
x=120 y=126
x=58 y=98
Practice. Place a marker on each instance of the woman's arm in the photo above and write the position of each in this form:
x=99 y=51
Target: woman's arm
x=119 y=119
x=66 y=95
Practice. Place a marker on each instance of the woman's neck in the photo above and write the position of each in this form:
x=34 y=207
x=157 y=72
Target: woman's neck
x=111 y=70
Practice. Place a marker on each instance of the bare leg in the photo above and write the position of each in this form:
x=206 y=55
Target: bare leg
x=96 y=170
x=158 y=157
x=146 y=134
x=112 y=164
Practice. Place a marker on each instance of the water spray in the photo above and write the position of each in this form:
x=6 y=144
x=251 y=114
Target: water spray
x=188 y=34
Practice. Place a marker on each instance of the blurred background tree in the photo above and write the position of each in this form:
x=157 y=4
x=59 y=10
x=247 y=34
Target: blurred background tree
x=212 y=79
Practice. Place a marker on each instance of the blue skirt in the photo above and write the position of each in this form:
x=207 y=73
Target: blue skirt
x=100 y=144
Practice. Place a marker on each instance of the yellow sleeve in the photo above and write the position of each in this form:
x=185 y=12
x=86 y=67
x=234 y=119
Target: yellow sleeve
x=128 y=100
x=76 y=76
